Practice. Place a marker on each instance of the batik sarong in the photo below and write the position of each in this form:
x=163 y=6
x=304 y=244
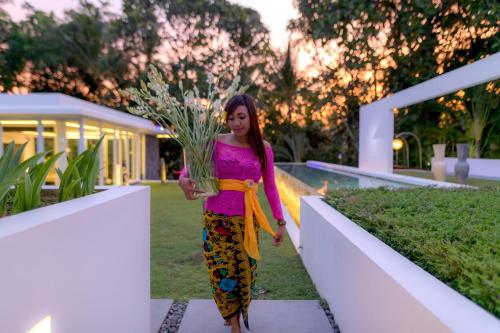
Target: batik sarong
x=231 y=271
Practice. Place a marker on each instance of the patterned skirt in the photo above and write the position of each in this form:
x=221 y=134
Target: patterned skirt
x=231 y=271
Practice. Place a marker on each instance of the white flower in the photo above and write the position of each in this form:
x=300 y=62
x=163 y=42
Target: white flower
x=210 y=78
x=217 y=105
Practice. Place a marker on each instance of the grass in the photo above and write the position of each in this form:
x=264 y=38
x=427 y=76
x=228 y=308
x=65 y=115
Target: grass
x=178 y=268
x=454 y=234
x=452 y=179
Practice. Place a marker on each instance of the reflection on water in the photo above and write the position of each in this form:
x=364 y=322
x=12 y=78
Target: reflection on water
x=323 y=188
x=296 y=180
x=290 y=190
x=317 y=178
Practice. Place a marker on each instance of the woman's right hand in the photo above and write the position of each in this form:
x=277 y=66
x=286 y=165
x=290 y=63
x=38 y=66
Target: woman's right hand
x=188 y=186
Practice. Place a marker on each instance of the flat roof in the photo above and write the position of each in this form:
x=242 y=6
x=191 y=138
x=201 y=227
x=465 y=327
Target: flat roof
x=54 y=106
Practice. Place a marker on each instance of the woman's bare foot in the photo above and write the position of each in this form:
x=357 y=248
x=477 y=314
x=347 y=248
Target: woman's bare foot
x=235 y=323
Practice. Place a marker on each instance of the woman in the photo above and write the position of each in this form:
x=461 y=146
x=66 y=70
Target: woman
x=232 y=218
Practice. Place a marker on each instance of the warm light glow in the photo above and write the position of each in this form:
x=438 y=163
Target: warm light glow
x=44 y=134
x=26 y=122
x=43 y=326
x=397 y=144
x=87 y=127
x=75 y=135
x=166 y=136
x=290 y=190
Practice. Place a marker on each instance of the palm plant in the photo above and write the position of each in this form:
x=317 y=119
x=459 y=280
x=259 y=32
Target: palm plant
x=11 y=171
x=28 y=191
x=79 y=178
x=479 y=115
x=294 y=148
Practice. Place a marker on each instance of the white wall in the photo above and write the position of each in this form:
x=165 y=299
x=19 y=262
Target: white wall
x=479 y=167
x=371 y=288
x=85 y=263
x=376 y=131
x=376 y=121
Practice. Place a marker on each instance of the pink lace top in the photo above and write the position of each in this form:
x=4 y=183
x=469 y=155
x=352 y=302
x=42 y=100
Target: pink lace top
x=233 y=162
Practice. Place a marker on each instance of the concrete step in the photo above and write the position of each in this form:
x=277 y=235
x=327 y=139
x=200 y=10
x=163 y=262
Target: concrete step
x=159 y=310
x=302 y=316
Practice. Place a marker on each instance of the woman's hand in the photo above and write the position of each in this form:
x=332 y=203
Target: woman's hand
x=188 y=186
x=279 y=235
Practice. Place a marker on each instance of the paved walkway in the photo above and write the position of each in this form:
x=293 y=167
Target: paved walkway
x=264 y=316
x=159 y=310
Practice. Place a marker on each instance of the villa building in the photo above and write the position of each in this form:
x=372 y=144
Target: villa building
x=57 y=122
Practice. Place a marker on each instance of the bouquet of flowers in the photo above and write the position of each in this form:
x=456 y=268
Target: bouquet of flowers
x=197 y=121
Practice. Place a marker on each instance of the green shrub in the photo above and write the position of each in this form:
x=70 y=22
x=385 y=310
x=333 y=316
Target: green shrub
x=454 y=234
x=28 y=191
x=11 y=171
x=79 y=178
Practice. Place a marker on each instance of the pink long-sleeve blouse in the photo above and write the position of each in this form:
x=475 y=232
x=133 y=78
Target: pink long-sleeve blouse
x=234 y=162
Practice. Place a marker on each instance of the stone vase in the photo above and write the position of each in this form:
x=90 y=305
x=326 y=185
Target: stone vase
x=462 y=166
x=438 y=166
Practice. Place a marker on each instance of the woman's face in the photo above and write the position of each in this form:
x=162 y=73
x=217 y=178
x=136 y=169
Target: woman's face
x=239 y=121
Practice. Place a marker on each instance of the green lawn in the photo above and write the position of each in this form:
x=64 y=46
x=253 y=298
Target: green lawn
x=178 y=268
x=452 y=179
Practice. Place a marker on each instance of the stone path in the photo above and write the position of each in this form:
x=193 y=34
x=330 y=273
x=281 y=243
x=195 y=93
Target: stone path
x=301 y=316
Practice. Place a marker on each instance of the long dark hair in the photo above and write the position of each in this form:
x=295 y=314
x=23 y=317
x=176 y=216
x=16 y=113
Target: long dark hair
x=254 y=135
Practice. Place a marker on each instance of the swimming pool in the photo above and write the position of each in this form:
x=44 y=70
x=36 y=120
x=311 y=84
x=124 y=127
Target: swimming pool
x=328 y=180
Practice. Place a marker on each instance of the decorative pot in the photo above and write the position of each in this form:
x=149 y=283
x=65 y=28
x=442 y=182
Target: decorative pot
x=462 y=167
x=438 y=166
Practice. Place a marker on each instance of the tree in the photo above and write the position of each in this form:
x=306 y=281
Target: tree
x=388 y=46
x=215 y=36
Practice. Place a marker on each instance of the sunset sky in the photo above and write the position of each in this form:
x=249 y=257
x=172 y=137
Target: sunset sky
x=267 y=9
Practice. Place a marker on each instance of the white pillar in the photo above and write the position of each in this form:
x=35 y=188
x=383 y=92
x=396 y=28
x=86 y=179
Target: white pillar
x=143 y=156
x=137 y=156
x=376 y=131
x=101 y=155
x=39 y=139
x=116 y=158
x=81 y=139
x=127 y=154
x=1 y=140
x=60 y=144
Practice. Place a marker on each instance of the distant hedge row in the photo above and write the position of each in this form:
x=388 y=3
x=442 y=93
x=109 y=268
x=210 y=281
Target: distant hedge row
x=454 y=234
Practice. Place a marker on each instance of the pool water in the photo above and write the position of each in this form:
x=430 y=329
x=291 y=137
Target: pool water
x=323 y=180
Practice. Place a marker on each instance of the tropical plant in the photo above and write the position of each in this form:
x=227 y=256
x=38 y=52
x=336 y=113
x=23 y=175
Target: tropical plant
x=11 y=170
x=79 y=178
x=294 y=148
x=484 y=100
x=27 y=194
x=197 y=121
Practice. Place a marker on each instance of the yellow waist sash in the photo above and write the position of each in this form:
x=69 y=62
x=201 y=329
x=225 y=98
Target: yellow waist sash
x=252 y=207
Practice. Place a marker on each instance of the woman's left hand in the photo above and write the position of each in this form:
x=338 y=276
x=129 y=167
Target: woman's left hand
x=279 y=235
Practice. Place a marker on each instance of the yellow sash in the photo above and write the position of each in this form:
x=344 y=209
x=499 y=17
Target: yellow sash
x=252 y=207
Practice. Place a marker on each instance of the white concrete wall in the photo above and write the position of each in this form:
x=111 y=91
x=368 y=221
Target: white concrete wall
x=376 y=121
x=372 y=288
x=85 y=263
x=376 y=131
x=480 y=168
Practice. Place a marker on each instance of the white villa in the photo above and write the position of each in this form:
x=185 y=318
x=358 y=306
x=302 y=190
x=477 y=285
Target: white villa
x=57 y=122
